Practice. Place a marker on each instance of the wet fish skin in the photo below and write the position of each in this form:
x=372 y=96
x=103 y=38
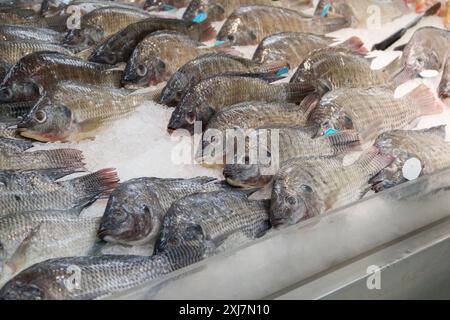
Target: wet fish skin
x=344 y=69
x=204 y=100
x=304 y=188
x=429 y=146
x=8 y=128
x=14 y=144
x=427 y=50
x=101 y=276
x=51 y=8
x=372 y=111
x=204 y=224
x=30 y=238
x=41 y=71
x=12 y=51
x=249 y=25
x=136 y=209
x=15 y=109
x=33 y=191
x=444 y=86
x=158 y=56
x=162 y=5
x=101 y=23
x=292 y=142
x=4 y=68
x=20 y=32
x=218 y=10
x=203 y=67
x=119 y=47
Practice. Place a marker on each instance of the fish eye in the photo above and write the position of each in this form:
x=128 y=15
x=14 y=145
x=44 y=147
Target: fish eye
x=231 y=37
x=111 y=58
x=190 y=117
x=141 y=70
x=291 y=200
x=306 y=188
x=40 y=116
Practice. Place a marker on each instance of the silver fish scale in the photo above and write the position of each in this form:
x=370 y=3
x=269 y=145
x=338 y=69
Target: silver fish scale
x=19 y=32
x=54 y=234
x=12 y=51
x=51 y=159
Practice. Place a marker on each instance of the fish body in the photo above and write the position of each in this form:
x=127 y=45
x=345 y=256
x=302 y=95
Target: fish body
x=12 y=51
x=73 y=112
x=158 y=56
x=304 y=188
x=428 y=49
x=33 y=191
x=136 y=209
x=283 y=143
x=4 y=68
x=222 y=91
x=444 y=86
x=332 y=68
x=103 y=22
x=217 y=10
x=251 y=24
x=428 y=146
x=31 y=238
x=165 y=5
x=205 y=66
x=120 y=46
x=41 y=71
x=360 y=12
x=372 y=111
x=51 y=8
x=19 y=32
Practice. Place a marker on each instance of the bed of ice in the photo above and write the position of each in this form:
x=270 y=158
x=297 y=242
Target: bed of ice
x=140 y=145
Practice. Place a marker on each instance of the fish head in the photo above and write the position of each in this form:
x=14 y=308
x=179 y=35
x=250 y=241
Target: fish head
x=185 y=114
x=106 y=54
x=47 y=121
x=294 y=199
x=173 y=92
x=86 y=37
x=52 y=7
x=421 y=58
x=330 y=118
x=235 y=32
x=132 y=216
x=144 y=70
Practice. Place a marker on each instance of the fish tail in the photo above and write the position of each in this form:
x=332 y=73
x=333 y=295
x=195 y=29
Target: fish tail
x=372 y=161
x=296 y=92
x=309 y=103
x=96 y=185
x=356 y=45
x=344 y=141
x=426 y=101
x=65 y=158
x=207 y=31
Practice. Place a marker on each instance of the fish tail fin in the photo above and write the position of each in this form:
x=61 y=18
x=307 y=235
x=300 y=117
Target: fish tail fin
x=372 y=161
x=95 y=185
x=344 y=141
x=426 y=101
x=309 y=103
x=65 y=158
x=296 y=92
x=207 y=31
x=332 y=23
x=356 y=45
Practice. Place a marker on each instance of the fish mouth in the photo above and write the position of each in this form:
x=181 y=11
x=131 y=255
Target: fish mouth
x=279 y=223
x=26 y=133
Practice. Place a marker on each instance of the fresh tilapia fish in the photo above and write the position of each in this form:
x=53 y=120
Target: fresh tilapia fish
x=100 y=277
x=120 y=46
x=428 y=49
x=27 y=17
x=41 y=71
x=209 y=65
x=19 y=32
x=30 y=238
x=444 y=86
x=12 y=51
x=73 y=112
x=4 y=68
x=204 y=224
x=33 y=191
x=249 y=25
x=15 y=109
x=165 y=5
x=361 y=12
x=217 y=10
x=427 y=146
x=372 y=111
x=306 y=188
x=14 y=144
x=290 y=142
x=51 y=8
x=222 y=91
x=158 y=56
x=101 y=23
x=136 y=209
x=332 y=68
x=294 y=47
x=40 y=160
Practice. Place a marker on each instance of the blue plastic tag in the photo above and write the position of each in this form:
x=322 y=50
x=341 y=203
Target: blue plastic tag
x=168 y=7
x=282 y=71
x=219 y=43
x=330 y=131
x=202 y=16
x=325 y=10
